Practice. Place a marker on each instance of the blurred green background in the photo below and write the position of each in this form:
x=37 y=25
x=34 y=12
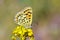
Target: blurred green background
x=44 y=12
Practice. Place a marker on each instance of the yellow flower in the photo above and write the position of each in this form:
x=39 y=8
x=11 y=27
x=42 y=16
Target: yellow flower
x=31 y=38
x=13 y=38
x=23 y=38
x=30 y=32
x=24 y=31
x=21 y=32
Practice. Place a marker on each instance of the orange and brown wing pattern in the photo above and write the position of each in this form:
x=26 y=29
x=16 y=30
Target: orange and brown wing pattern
x=24 y=17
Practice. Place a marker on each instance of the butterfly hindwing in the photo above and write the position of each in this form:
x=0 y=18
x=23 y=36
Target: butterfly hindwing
x=24 y=17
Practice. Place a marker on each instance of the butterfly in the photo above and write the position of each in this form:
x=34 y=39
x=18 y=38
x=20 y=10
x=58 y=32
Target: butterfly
x=24 y=17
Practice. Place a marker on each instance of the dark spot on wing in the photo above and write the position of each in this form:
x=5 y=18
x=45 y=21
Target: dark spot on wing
x=24 y=17
x=29 y=12
x=26 y=14
x=29 y=18
x=29 y=15
x=26 y=10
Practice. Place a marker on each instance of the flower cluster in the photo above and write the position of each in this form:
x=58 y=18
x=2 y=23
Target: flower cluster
x=22 y=33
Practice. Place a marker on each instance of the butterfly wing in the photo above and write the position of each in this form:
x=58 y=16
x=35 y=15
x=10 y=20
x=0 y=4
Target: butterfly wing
x=24 y=17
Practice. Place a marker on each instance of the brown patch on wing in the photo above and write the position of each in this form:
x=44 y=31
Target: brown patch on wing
x=26 y=10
